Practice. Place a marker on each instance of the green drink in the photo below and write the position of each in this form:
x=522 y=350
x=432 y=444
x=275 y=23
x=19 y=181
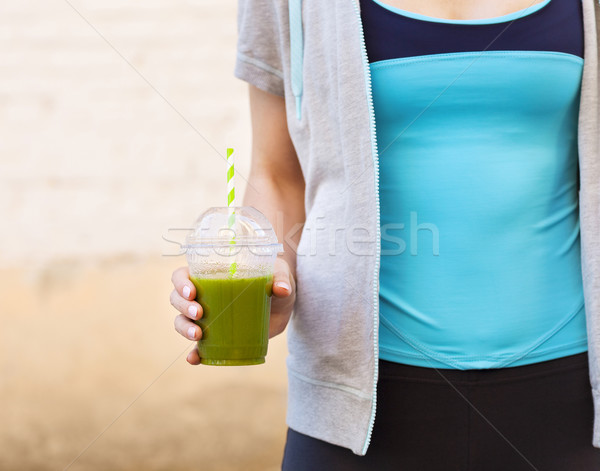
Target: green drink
x=235 y=320
x=231 y=262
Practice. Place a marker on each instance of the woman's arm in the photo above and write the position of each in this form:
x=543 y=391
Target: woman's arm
x=276 y=188
x=276 y=183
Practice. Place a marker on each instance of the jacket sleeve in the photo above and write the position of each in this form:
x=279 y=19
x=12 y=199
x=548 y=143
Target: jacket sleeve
x=259 y=58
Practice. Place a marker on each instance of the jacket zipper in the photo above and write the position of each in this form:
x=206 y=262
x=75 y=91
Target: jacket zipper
x=367 y=72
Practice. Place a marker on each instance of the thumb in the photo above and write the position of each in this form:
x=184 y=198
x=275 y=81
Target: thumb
x=281 y=281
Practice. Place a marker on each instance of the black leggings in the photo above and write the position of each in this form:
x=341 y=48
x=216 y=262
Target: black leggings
x=530 y=417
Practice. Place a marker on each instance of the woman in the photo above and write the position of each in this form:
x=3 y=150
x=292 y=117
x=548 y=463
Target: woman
x=444 y=160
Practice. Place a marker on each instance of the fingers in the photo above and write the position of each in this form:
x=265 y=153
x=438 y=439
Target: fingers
x=182 y=283
x=193 y=357
x=187 y=328
x=190 y=309
x=283 y=281
x=183 y=299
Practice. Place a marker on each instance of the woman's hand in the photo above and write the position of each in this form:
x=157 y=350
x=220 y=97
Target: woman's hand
x=183 y=298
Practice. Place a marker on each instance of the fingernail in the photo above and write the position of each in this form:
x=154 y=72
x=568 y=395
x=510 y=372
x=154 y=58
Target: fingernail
x=193 y=310
x=284 y=285
x=192 y=333
x=186 y=291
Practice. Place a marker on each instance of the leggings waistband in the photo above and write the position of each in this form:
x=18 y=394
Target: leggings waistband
x=391 y=370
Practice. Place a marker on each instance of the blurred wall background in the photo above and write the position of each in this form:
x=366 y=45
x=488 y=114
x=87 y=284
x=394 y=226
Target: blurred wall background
x=114 y=119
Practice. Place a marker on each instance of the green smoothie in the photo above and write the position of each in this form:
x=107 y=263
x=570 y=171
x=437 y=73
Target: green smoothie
x=235 y=320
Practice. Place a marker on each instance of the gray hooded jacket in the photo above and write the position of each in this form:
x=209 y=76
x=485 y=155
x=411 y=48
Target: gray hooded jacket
x=313 y=54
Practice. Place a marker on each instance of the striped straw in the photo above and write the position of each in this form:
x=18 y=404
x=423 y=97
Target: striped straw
x=230 y=189
x=231 y=202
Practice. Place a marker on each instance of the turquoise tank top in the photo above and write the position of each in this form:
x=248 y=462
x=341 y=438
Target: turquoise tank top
x=480 y=260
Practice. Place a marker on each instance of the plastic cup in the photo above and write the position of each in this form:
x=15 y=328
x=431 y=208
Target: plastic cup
x=232 y=269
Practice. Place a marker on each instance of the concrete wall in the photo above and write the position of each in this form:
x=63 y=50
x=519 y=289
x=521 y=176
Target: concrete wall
x=112 y=118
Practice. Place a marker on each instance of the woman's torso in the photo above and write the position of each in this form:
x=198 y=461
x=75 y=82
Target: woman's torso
x=477 y=134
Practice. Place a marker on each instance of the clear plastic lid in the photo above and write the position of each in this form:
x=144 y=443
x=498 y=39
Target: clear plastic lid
x=247 y=227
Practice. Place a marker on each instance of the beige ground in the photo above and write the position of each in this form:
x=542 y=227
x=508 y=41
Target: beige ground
x=80 y=344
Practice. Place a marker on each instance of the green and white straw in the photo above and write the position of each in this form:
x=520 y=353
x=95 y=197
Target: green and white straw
x=231 y=202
